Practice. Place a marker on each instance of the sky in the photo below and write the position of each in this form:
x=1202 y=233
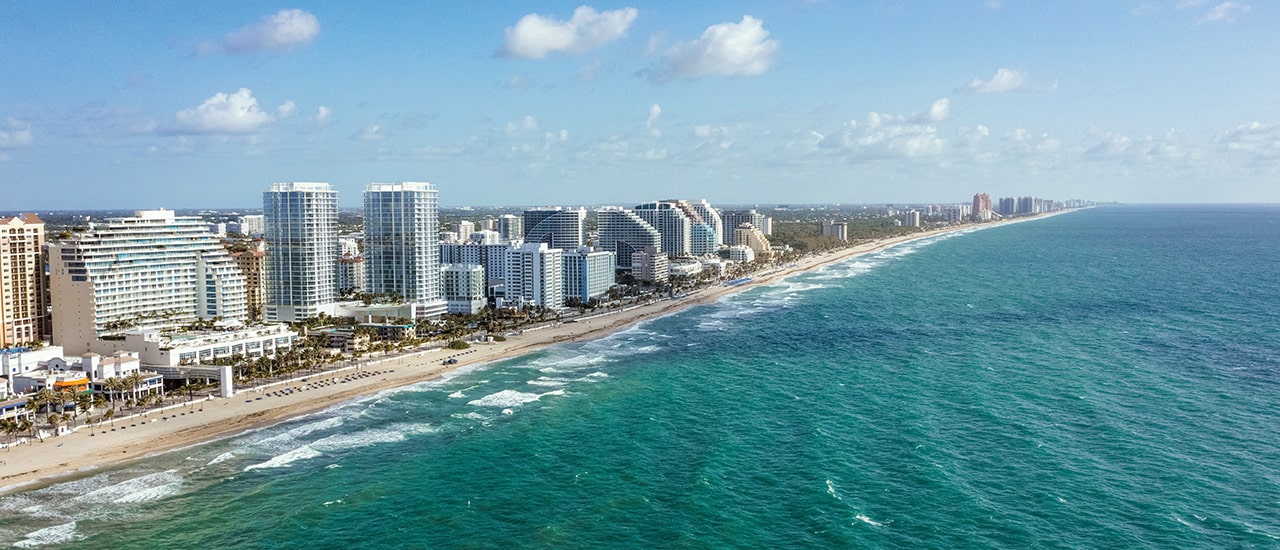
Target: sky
x=205 y=104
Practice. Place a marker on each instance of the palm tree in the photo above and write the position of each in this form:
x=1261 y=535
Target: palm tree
x=84 y=404
x=135 y=380
x=25 y=424
x=54 y=419
x=10 y=427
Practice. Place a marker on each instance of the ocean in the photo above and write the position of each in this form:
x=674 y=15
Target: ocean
x=1106 y=378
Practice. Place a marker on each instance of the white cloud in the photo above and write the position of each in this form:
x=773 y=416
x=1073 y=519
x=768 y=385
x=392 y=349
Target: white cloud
x=286 y=109
x=1005 y=80
x=655 y=111
x=525 y=124
x=1226 y=12
x=535 y=36
x=726 y=49
x=282 y=32
x=993 y=4
x=323 y=114
x=15 y=134
x=236 y=113
x=940 y=110
x=372 y=132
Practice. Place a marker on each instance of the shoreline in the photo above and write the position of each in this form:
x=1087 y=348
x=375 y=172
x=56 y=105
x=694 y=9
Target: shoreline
x=185 y=425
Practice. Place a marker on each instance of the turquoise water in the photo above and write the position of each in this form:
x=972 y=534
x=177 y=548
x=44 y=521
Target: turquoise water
x=1104 y=378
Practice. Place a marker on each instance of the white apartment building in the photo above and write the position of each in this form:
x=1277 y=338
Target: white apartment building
x=464 y=288
x=401 y=247
x=561 y=228
x=672 y=223
x=302 y=237
x=624 y=233
x=588 y=274
x=154 y=270
x=535 y=276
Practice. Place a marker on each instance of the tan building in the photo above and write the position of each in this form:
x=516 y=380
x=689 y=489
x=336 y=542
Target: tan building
x=253 y=263
x=750 y=236
x=23 y=311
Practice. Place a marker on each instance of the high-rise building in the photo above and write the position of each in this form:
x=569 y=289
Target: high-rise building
x=154 y=270
x=711 y=217
x=463 y=287
x=982 y=207
x=464 y=229
x=23 y=312
x=253 y=265
x=839 y=230
x=510 y=227
x=672 y=222
x=734 y=218
x=302 y=240
x=401 y=251
x=913 y=218
x=535 y=276
x=351 y=274
x=252 y=225
x=558 y=227
x=588 y=274
x=623 y=233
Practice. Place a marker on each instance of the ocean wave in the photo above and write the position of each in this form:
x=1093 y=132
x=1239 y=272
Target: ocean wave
x=505 y=399
x=57 y=534
x=284 y=460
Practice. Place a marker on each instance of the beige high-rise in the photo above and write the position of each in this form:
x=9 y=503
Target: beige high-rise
x=23 y=311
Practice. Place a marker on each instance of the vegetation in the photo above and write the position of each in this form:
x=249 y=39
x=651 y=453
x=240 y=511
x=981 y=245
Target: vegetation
x=458 y=344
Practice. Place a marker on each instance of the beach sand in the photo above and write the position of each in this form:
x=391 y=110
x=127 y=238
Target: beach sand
x=111 y=444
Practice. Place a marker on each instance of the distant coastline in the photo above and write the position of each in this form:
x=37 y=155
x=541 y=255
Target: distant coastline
x=188 y=424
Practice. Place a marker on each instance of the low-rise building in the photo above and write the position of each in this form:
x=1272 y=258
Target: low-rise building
x=170 y=349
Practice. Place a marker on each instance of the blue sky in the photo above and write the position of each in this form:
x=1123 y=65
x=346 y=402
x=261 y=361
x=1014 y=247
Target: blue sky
x=175 y=104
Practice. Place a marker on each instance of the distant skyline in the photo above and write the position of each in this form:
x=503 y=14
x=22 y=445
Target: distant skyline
x=181 y=105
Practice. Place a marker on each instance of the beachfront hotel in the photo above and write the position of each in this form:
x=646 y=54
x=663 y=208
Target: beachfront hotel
x=23 y=312
x=401 y=244
x=734 y=218
x=154 y=270
x=588 y=274
x=302 y=239
x=672 y=223
x=711 y=217
x=561 y=228
x=751 y=237
x=535 y=276
x=625 y=233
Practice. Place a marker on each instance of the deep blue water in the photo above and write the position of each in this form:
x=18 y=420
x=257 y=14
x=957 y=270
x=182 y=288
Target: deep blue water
x=1103 y=378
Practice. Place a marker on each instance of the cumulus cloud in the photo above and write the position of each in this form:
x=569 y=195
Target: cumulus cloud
x=235 y=113
x=14 y=134
x=535 y=36
x=1226 y=12
x=323 y=115
x=655 y=111
x=940 y=110
x=726 y=49
x=286 y=109
x=282 y=32
x=1005 y=80
x=525 y=124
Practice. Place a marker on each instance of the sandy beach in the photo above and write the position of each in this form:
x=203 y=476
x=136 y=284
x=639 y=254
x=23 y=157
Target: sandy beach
x=187 y=424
